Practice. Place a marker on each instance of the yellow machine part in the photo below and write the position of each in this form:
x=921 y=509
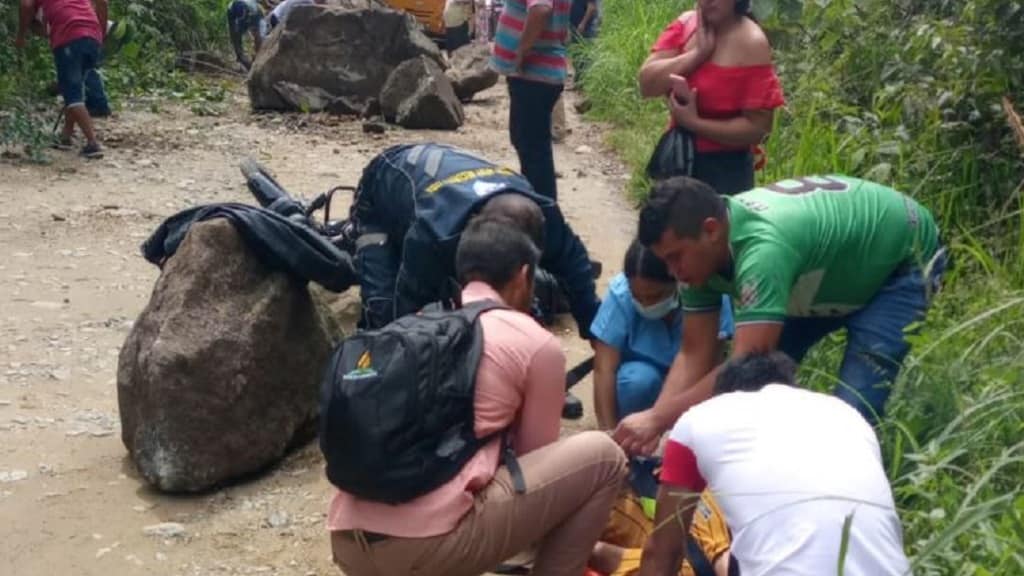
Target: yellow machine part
x=429 y=13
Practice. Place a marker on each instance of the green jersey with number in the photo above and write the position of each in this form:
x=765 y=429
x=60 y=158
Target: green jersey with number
x=820 y=246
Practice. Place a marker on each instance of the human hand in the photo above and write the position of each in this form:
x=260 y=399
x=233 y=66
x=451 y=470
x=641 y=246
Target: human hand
x=705 y=40
x=638 y=433
x=684 y=112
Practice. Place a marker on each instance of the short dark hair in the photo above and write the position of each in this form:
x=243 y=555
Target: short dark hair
x=641 y=262
x=493 y=250
x=752 y=372
x=523 y=212
x=680 y=203
x=743 y=7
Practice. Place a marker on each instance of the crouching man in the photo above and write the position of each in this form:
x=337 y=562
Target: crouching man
x=555 y=493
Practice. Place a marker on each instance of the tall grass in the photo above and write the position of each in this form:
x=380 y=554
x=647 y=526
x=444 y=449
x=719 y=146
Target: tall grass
x=903 y=93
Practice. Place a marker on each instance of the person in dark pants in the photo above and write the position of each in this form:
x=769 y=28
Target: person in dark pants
x=76 y=31
x=584 y=21
x=411 y=206
x=245 y=16
x=530 y=51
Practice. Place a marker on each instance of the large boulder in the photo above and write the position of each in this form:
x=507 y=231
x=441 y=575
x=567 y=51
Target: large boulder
x=470 y=70
x=419 y=95
x=337 y=56
x=220 y=373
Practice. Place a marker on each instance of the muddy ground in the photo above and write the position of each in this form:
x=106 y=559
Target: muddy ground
x=72 y=281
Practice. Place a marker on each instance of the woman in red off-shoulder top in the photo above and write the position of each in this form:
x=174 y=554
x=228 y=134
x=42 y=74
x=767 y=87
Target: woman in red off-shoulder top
x=730 y=92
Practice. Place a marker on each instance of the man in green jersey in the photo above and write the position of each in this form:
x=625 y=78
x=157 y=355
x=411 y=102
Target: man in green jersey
x=800 y=258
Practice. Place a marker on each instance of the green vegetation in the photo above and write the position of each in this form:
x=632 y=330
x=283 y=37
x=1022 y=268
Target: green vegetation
x=162 y=30
x=905 y=92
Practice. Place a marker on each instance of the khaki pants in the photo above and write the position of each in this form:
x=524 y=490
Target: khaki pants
x=571 y=486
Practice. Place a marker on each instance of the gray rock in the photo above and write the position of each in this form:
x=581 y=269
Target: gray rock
x=165 y=530
x=419 y=95
x=470 y=71
x=220 y=374
x=346 y=49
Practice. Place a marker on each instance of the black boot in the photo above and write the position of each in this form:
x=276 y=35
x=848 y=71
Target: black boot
x=573 y=408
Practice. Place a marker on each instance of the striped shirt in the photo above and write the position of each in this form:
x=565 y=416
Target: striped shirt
x=546 y=60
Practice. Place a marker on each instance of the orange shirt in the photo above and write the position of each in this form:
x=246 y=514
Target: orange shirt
x=520 y=383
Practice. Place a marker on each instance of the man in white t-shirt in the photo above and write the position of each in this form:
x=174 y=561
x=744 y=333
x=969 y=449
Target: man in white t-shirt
x=788 y=468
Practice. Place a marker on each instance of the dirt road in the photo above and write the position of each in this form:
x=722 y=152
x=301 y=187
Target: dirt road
x=73 y=281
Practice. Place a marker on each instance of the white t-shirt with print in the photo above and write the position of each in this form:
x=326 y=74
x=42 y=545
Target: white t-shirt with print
x=787 y=467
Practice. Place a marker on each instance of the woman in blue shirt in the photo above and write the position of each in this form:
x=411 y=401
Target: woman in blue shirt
x=637 y=333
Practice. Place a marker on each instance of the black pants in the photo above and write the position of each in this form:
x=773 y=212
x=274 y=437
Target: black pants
x=529 y=126
x=727 y=172
x=455 y=38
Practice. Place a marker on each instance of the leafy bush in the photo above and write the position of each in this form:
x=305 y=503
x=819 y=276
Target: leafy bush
x=905 y=92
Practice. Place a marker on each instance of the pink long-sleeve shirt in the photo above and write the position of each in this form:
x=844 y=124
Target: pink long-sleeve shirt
x=520 y=384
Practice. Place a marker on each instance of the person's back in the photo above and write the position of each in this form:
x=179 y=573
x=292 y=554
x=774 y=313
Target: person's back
x=69 y=20
x=414 y=201
x=788 y=467
x=844 y=234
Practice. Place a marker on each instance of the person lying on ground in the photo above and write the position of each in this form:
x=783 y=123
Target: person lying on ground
x=245 y=16
x=475 y=521
x=797 y=474
x=76 y=31
x=801 y=258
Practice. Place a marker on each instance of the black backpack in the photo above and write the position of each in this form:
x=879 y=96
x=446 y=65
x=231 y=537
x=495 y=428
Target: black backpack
x=396 y=407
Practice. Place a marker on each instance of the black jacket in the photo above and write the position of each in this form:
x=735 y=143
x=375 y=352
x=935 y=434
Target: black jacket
x=276 y=241
x=423 y=195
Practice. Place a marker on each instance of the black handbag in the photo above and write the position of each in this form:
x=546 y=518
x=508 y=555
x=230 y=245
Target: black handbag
x=673 y=156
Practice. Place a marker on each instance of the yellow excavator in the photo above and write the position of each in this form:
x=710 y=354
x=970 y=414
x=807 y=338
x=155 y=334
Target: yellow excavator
x=429 y=13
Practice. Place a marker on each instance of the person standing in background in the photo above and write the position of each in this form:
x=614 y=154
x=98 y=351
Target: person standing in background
x=458 y=14
x=530 y=51
x=76 y=31
x=716 y=63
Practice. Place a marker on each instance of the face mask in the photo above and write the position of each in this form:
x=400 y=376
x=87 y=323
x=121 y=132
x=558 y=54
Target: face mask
x=659 y=310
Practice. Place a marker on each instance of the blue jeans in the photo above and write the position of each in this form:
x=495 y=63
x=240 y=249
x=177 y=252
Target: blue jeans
x=74 y=61
x=637 y=385
x=875 y=342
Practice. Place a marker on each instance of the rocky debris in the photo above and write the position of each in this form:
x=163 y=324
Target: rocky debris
x=374 y=126
x=220 y=373
x=470 y=71
x=339 y=55
x=419 y=95
x=165 y=530
x=7 y=476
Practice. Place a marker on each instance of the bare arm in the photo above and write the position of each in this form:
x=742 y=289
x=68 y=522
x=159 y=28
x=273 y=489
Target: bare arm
x=750 y=339
x=606 y=366
x=587 y=16
x=746 y=130
x=665 y=549
x=26 y=15
x=536 y=20
x=655 y=72
x=688 y=382
x=691 y=376
x=102 y=12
